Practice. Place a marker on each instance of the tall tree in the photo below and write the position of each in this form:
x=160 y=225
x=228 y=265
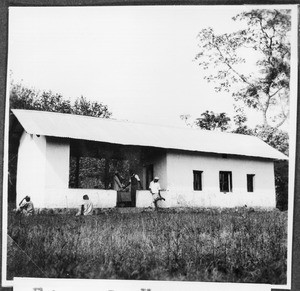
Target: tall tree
x=266 y=87
x=278 y=139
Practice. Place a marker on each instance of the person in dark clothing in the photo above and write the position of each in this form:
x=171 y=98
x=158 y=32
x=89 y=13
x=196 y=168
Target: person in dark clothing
x=135 y=184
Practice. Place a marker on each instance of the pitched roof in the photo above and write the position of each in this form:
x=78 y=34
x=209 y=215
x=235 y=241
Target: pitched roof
x=131 y=133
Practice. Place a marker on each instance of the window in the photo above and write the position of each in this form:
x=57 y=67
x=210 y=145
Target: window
x=250 y=182
x=197 y=180
x=225 y=181
x=93 y=165
x=87 y=173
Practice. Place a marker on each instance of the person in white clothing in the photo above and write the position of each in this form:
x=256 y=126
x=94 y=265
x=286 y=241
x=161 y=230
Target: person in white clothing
x=86 y=207
x=155 y=191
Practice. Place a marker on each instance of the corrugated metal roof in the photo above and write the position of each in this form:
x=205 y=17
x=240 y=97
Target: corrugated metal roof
x=131 y=133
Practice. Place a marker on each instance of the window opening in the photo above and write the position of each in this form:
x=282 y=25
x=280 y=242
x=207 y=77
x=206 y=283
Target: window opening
x=250 y=182
x=197 y=180
x=225 y=181
x=93 y=167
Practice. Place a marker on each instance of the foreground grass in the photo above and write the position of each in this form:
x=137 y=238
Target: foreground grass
x=198 y=245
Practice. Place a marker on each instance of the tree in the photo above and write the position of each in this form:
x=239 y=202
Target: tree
x=82 y=106
x=274 y=137
x=49 y=101
x=22 y=97
x=240 y=120
x=266 y=37
x=186 y=118
x=278 y=139
x=213 y=121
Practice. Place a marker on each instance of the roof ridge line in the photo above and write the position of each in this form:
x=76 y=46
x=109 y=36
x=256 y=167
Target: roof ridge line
x=131 y=121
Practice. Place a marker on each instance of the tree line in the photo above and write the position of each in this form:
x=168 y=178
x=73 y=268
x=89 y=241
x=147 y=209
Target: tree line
x=22 y=97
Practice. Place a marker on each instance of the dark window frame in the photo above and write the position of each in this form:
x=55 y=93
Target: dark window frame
x=197 y=180
x=250 y=182
x=225 y=181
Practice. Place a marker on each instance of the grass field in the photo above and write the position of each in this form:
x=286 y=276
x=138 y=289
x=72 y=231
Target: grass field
x=191 y=245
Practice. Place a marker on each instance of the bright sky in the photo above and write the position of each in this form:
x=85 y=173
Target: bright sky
x=138 y=60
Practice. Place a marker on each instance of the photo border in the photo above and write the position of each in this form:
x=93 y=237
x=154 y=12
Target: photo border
x=4 y=7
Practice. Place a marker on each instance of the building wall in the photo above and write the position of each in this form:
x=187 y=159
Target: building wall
x=180 y=191
x=58 y=193
x=43 y=174
x=159 y=162
x=57 y=173
x=160 y=170
x=57 y=163
x=31 y=168
x=72 y=198
x=144 y=199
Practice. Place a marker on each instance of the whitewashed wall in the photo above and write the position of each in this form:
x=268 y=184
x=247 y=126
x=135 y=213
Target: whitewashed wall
x=31 y=169
x=144 y=199
x=180 y=181
x=58 y=193
x=43 y=174
x=160 y=170
x=72 y=198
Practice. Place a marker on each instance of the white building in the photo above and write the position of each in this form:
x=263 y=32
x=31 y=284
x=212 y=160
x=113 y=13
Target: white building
x=197 y=168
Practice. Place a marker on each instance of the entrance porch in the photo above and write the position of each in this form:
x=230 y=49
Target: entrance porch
x=93 y=166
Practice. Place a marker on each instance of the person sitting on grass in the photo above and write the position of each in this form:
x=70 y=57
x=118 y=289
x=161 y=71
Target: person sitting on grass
x=25 y=207
x=86 y=207
x=155 y=191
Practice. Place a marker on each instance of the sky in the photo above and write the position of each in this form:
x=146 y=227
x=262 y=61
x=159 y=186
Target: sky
x=138 y=60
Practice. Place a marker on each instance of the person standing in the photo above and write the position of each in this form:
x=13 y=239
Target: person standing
x=135 y=184
x=117 y=185
x=155 y=191
x=86 y=207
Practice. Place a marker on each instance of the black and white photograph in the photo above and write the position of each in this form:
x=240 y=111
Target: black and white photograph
x=149 y=147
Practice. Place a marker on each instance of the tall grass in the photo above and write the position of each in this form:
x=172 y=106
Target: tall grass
x=199 y=245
